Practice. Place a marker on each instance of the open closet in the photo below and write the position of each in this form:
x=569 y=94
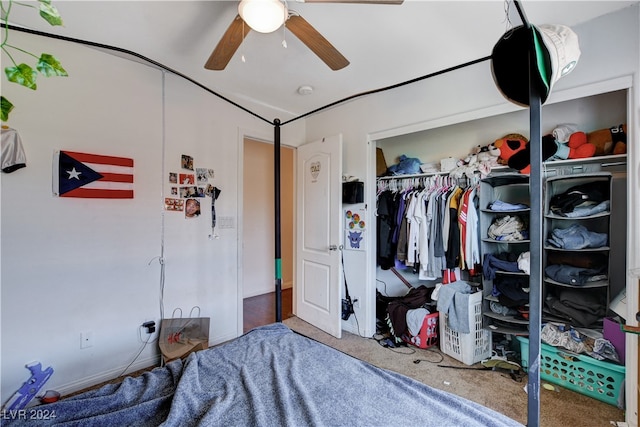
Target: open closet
x=592 y=108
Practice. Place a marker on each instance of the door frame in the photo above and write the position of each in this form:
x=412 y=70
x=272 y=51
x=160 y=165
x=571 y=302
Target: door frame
x=267 y=138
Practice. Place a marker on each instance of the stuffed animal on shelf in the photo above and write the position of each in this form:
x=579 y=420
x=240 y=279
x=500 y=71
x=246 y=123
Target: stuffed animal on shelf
x=521 y=159
x=488 y=154
x=470 y=160
x=515 y=151
x=609 y=141
x=577 y=147
x=508 y=145
x=465 y=167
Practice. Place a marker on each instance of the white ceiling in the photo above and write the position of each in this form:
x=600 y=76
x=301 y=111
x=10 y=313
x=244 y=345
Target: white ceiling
x=386 y=44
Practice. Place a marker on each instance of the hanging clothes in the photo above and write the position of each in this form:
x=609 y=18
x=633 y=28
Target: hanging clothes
x=385 y=225
x=13 y=157
x=428 y=224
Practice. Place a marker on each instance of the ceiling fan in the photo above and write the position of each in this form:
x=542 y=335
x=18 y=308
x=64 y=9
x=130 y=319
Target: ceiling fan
x=255 y=14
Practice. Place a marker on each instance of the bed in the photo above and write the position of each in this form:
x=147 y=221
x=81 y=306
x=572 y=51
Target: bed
x=270 y=376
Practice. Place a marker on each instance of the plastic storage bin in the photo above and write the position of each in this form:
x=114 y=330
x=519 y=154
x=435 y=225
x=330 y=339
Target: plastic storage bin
x=578 y=372
x=468 y=348
x=428 y=335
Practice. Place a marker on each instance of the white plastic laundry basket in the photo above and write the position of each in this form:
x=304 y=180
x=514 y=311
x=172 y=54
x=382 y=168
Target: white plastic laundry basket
x=468 y=348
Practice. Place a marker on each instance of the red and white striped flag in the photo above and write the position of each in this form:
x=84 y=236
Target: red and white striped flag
x=92 y=176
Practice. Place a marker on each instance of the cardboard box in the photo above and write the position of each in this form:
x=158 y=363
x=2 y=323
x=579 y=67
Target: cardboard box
x=612 y=332
x=381 y=163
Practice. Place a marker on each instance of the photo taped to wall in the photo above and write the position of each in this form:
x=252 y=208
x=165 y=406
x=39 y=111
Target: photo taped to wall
x=187 y=162
x=192 y=208
x=187 y=178
x=172 y=204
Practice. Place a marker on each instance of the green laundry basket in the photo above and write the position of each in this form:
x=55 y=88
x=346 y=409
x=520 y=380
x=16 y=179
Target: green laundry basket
x=578 y=372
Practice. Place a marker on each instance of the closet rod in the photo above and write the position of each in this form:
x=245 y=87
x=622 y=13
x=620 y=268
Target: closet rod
x=415 y=175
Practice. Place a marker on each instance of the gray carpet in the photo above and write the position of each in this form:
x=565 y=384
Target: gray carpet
x=493 y=389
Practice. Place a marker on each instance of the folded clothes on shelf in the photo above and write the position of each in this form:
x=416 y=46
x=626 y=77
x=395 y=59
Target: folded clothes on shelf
x=583 y=309
x=584 y=211
x=571 y=275
x=499 y=205
x=582 y=195
x=577 y=236
x=508 y=228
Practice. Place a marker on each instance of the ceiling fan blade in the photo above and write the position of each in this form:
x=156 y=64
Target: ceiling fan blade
x=228 y=44
x=355 y=1
x=316 y=42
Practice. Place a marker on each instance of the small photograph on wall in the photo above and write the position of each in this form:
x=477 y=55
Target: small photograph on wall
x=353 y=239
x=188 y=191
x=174 y=191
x=354 y=219
x=173 y=177
x=202 y=175
x=200 y=192
x=192 y=208
x=187 y=178
x=187 y=162
x=172 y=204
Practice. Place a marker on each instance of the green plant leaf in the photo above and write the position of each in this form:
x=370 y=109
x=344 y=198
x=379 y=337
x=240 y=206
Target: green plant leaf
x=50 y=13
x=23 y=75
x=49 y=66
x=6 y=106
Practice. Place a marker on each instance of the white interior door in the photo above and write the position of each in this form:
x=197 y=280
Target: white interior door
x=319 y=195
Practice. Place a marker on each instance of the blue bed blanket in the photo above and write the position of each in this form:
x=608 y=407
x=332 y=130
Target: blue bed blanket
x=270 y=376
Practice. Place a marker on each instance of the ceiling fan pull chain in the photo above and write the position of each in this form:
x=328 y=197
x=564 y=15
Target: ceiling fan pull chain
x=242 y=47
x=284 y=24
x=284 y=36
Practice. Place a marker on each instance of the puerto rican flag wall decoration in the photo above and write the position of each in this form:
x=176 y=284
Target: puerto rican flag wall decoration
x=92 y=176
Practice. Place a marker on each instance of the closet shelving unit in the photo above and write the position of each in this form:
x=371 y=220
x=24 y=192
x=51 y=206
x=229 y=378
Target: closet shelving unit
x=598 y=222
x=511 y=188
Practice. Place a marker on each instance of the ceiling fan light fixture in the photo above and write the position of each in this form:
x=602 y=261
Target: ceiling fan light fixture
x=263 y=16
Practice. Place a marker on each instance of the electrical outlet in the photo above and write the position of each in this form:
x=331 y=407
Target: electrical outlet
x=86 y=339
x=356 y=302
x=150 y=326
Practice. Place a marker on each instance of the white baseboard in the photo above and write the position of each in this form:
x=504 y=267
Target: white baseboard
x=222 y=339
x=109 y=375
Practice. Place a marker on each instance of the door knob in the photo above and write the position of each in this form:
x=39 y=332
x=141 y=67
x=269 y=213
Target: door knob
x=335 y=247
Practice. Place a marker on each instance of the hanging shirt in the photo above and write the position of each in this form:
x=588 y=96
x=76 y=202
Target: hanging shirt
x=413 y=222
x=13 y=157
x=462 y=220
x=453 y=236
x=472 y=246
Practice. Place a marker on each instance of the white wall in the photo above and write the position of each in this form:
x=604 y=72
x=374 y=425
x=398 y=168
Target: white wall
x=73 y=265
